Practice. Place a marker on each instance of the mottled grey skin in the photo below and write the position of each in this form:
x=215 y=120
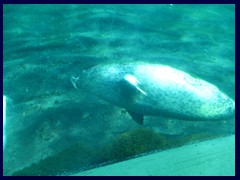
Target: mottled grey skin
x=169 y=92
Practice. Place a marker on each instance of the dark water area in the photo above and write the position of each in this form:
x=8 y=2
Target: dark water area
x=44 y=45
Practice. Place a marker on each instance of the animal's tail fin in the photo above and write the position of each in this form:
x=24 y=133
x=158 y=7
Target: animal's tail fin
x=74 y=80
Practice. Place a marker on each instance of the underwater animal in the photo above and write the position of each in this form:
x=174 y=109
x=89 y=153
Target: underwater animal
x=149 y=89
x=4 y=121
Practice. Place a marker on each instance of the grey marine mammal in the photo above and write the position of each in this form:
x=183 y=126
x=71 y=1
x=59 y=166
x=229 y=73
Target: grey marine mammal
x=156 y=90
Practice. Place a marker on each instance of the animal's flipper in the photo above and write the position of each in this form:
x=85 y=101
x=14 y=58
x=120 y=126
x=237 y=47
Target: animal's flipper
x=133 y=81
x=74 y=80
x=138 y=118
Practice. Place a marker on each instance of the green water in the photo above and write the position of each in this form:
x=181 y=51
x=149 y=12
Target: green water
x=44 y=45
